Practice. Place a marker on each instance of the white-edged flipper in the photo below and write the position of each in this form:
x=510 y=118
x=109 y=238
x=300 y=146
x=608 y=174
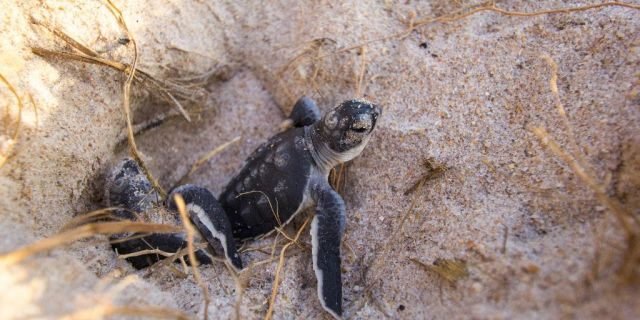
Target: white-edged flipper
x=209 y=218
x=326 y=233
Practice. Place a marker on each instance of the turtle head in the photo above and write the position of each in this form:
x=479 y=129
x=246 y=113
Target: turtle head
x=344 y=132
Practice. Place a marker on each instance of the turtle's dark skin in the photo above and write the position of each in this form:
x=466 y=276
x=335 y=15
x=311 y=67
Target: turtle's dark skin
x=284 y=176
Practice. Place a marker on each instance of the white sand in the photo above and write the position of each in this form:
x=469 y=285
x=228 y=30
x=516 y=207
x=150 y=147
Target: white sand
x=466 y=93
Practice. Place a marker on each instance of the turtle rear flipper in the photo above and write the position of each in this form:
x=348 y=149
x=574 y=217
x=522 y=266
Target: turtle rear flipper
x=129 y=189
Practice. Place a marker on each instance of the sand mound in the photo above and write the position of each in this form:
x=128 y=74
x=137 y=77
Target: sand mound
x=512 y=224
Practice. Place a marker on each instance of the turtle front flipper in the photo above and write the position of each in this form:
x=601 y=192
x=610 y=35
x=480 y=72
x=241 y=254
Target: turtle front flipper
x=327 y=228
x=305 y=112
x=128 y=188
x=208 y=216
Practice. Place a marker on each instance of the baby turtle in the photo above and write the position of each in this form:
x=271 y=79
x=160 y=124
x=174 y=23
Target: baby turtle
x=284 y=176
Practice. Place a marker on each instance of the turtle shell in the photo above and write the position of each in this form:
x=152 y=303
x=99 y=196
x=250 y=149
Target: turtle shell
x=270 y=189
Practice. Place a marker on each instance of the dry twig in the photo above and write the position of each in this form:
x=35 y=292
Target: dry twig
x=182 y=209
x=106 y=309
x=133 y=148
x=81 y=232
x=628 y=221
x=94 y=216
x=487 y=8
x=14 y=137
x=276 y=281
x=451 y=270
x=434 y=170
x=363 y=69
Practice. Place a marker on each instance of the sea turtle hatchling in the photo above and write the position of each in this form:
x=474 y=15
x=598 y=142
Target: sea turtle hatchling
x=284 y=176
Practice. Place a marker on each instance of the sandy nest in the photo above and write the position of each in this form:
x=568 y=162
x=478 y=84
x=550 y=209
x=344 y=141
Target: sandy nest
x=501 y=182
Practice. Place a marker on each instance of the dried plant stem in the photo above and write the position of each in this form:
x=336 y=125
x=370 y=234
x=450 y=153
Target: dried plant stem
x=622 y=214
x=627 y=220
x=148 y=311
x=82 y=232
x=391 y=240
x=275 y=212
x=163 y=87
x=16 y=131
x=336 y=177
x=493 y=8
x=90 y=217
x=276 y=281
x=489 y=8
x=182 y=209
x=363 y=69
x=146 y=252
x=434 y=170
x=66 y=38
x=105 y=310
x=240 y=286
x=553 y=85
x=133 y=148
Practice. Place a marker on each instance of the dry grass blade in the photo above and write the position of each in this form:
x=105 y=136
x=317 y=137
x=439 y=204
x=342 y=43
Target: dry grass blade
x=627 y=220
x=241 y=281
x=275 y=212
x=164 y=88
x=624 y=216
x=310 y=52
x=105 y=310
x=433 y=170
x=363 y=69
x=451 y=270
x=45 y=53
x=182 y=209
x=147 y=311
x=89 y=218
x=174 y=255
x=206 y=158
x=167 y=90
x=396 y=232
x=493 y=8
x=133 y=148
x=337 y=177
x=68 y=39
x=276 y=281
x=485 y=8
x=7 y=153
x=553 y=85
x=82 y=232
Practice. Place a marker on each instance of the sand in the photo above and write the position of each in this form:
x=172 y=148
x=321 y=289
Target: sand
x=468 y=94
